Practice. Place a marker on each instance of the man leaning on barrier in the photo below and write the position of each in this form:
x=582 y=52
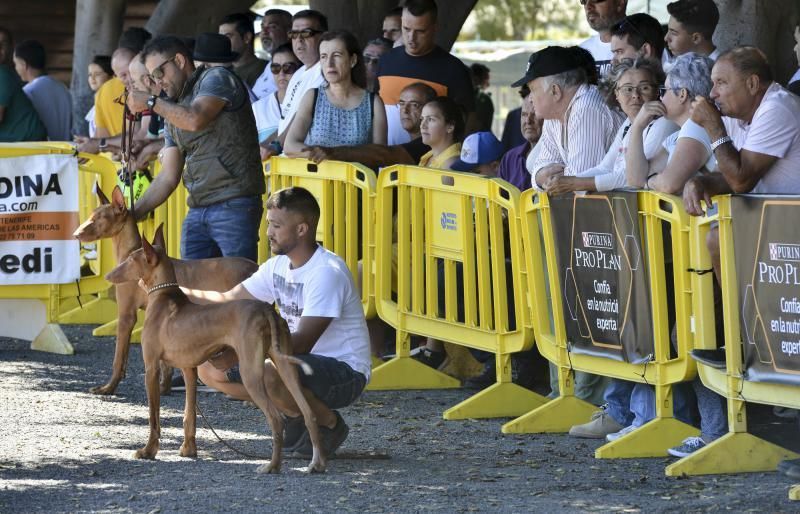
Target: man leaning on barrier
x=754 y=126
x=210 y=127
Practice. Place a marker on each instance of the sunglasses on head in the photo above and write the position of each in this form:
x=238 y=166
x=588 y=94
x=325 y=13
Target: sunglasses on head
x=593 y=2
x=303 y=34
x=626 y=26
x=288 y=68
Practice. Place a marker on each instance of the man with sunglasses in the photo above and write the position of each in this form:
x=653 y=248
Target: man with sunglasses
x=307 y=28
x=372 y=54
x=601 y=16
x=635 y=36
x=210 y=128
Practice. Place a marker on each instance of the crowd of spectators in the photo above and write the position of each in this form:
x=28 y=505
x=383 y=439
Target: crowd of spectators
x=637 y=105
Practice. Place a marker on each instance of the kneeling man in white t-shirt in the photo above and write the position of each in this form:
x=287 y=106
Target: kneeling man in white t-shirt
x=317 y=297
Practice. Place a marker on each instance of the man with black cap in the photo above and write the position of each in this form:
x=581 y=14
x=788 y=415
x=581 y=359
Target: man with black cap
x=578 y=129
x=579 y=126
x=211 y=129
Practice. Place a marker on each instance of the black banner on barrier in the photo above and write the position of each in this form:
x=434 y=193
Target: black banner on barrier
x=766 y=242
x=601 y=267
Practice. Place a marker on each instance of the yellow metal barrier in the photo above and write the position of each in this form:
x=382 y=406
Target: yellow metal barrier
x=737 y=451
x=446 y=220
x=548 y=321
x=346 y=196
x=60 y=298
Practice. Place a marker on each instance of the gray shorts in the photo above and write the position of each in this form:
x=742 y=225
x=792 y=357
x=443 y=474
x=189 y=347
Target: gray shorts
x=335 y=383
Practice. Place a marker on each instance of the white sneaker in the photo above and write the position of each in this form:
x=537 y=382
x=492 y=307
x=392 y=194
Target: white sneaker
x=616 y=435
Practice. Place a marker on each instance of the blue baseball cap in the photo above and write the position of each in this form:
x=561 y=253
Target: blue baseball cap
x=478 y=148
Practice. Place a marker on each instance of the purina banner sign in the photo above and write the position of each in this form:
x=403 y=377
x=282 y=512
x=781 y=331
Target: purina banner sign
x=766 y=242
x=605 y=289
x=38 y=214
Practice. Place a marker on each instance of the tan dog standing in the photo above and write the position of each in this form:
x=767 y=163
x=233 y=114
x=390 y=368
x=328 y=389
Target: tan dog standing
x=113 y=219
x=183 y=334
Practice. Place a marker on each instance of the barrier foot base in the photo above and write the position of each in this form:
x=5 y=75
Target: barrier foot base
x=110 y=329
x=500 y=400
x=794 y=493
x=376 y=362
x=97 y=310
x=407 y=373
x=67 y=304
x=557 y=415
x=735 y=452
x=652 y=439
x=52 y=339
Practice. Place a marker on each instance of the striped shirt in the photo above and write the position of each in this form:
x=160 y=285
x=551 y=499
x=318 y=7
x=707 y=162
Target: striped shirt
x=580 y=141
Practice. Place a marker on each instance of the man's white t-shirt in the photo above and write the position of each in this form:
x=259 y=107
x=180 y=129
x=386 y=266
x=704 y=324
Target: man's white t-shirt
x=397 y=135
x=302 y=80
x=694 y=131
x=775 y=131
x=601 y=52
x=322 y=287
x=265 y=83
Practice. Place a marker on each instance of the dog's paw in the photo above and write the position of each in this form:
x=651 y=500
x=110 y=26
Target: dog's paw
x=188 y=450
x=104 y=389
x=316 y=467
x=269 y=468
x=144 y=453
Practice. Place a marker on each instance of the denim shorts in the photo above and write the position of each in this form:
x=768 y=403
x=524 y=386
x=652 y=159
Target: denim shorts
x=335 y=383
x=225 y=229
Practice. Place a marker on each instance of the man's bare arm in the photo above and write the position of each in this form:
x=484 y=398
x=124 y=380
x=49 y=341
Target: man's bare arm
x=164 y=183
x=371 y=155
x=309 y=329
x=206 y=297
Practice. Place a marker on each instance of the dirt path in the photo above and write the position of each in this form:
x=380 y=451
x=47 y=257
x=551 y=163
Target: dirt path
x=65 y=450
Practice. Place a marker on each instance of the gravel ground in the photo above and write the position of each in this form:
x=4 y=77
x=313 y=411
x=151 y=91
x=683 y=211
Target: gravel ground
x=65 y=450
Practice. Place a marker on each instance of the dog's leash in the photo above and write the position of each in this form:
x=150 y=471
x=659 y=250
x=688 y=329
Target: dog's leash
x=373 y=455
x=240 y=452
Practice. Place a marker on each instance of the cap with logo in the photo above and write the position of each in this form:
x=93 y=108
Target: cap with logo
x=478 y=148
x=552 y=61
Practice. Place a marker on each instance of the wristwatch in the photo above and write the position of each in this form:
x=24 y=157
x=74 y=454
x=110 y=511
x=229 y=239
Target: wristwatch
x=151 y=102
x=102 y=144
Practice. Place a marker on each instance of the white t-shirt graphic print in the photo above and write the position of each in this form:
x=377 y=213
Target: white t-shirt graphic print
x=322 y=287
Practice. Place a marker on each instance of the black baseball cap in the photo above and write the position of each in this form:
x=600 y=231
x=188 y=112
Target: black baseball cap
x=552 y=61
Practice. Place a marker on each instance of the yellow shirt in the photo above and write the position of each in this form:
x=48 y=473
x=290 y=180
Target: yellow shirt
x=429 y=161
x=107 y=112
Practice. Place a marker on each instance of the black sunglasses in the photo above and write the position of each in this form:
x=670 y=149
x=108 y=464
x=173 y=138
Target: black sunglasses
x=625 y=23
x=288 y=68
x=305 y=33
x=584 y=2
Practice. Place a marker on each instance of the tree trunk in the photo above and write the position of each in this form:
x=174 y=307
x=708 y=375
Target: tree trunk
x=364 y=18
x=98 y=24
x=192 y=17
x=767 y=24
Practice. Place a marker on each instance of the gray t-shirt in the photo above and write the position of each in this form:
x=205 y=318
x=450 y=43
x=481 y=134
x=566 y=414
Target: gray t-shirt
x=53 y=103
x=220 y=83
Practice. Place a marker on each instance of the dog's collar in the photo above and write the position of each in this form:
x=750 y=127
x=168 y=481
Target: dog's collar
x=162 y=286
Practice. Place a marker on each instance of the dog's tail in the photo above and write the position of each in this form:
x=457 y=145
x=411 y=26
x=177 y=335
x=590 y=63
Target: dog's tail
x=279 y=330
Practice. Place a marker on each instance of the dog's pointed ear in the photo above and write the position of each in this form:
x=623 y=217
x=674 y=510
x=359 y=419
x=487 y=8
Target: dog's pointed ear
x=149 y=252
x=101 y=196
x=158 y=239
x=118 y=198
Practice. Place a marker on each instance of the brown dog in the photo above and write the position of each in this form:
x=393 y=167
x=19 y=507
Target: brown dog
x=183 y=334
x=112 y=219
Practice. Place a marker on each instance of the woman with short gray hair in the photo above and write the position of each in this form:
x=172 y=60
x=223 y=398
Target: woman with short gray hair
x=689 y=77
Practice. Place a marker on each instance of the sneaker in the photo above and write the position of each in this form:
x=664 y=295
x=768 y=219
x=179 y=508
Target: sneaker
x=487 y=377
x=599 y=427
x=331 y=440
x=688 y=447
x=790 y=467
x=430 y=358
x=294 y=431
x=616 y=435
x=179 y=385
x=713 y=358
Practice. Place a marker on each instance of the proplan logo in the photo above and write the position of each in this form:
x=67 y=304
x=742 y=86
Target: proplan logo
x=597 y=240
x=448 y=220
x=784 y=252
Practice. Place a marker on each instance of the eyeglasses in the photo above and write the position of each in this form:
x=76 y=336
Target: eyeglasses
x=593 y=2
x=303 y=34
x=158 y=72
x=663 y=90
x=287 y=68
x=369 y=59
x=643 y=89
